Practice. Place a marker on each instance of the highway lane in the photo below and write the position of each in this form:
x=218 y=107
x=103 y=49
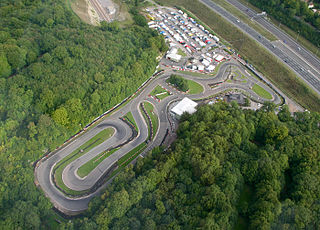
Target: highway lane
x=308 y=77
x=74 y=205
x=312 y=59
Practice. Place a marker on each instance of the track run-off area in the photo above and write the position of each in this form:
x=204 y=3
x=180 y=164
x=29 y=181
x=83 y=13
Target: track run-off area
x=132 y=133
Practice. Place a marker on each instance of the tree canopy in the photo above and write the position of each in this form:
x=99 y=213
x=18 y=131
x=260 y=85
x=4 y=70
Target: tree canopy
x=228 y=167
x=57 y=74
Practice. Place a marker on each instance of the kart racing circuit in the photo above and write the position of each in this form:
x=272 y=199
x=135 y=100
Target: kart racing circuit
x=78 y=170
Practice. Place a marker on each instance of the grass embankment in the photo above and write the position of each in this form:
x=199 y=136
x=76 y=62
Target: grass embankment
x=154 y=118
x=83 y=149
x=159 y=92
x=241 y=16
x=306 y=43
x=261 y=92
x=263 y=60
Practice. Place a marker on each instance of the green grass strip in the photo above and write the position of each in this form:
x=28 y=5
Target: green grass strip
x=159 y=92
x=137 y=149
x=130 y=118
x=154 y=118
x=94 y=141
x=261 y=92
x=125 y=163
x=85 y=169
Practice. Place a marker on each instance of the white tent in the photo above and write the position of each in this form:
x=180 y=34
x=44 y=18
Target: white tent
x=186 y=105
x=205 y=62
x=210 y=68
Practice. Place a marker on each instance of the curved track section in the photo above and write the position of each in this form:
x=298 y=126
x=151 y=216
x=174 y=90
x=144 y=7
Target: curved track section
x=123 y=135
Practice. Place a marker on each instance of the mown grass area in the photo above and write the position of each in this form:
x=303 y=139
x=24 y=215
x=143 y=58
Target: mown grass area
x=83 y=149
x=194 y=87
x=261 y=92
x=277 y=72
x=130 y=118
x=85 y=169
x=154 y=118
x=241 y=16
x=304 y=42
x=159 y=92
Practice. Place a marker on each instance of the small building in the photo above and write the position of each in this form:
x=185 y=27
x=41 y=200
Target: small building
x=218 y=57
x=205 y=62
x=185 y=105
x=210 y=68
x=200 y=67
x=239 y=98
x=172 y=55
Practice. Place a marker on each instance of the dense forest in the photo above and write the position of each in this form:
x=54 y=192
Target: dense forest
x=56 y=75
x=294 y=14
x=228 y=169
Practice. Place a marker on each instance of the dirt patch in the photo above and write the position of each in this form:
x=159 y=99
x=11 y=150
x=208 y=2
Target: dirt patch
x=85 y=11
x=122 y=13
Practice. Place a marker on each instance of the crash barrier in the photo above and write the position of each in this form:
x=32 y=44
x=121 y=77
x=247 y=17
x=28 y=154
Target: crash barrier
x=164 y=138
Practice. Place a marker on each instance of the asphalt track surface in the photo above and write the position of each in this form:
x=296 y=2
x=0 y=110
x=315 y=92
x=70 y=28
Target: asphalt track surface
x=123 y=132
x=305 y=64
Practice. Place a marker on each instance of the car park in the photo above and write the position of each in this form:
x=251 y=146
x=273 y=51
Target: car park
x=190 y=39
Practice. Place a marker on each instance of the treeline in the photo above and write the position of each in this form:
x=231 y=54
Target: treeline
x=229 y=167
x=179 y=82
x=56 y=75
x=295 y=14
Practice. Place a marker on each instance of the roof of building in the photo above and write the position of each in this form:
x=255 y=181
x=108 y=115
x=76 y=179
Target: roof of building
x=218 y=57
x=174 y=57
x=239 y=98
x=185 y=105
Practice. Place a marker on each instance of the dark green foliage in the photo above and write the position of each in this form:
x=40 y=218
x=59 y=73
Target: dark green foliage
x=295 y=14
x=179 y=82
x=228 y=166
x=56 y=75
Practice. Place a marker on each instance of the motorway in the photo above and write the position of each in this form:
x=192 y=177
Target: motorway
x=307 y=70
x=75 y=205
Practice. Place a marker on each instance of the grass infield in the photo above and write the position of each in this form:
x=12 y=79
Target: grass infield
x=83 y=149
x=261 y=92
